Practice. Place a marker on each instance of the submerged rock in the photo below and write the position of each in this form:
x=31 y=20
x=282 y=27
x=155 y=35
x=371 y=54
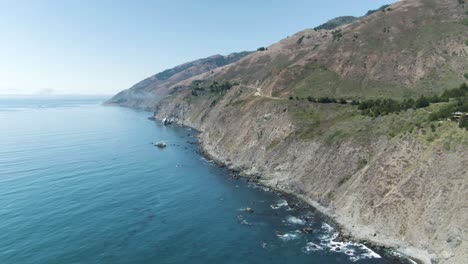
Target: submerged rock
x=248 y=210
x=307 y=230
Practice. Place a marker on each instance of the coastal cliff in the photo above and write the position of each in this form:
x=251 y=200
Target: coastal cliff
x=405 y=190
x=398 y=178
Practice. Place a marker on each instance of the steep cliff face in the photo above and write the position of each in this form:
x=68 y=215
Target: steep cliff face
x=390 y=180
x=399 y=179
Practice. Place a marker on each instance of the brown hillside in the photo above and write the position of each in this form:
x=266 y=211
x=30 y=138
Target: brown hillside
x=410 y=48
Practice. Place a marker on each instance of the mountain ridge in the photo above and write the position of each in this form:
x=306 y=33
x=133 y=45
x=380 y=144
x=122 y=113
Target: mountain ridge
x=152 y=89
x=397 y=179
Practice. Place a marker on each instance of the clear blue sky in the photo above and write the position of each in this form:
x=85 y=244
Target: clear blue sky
x=103 y=46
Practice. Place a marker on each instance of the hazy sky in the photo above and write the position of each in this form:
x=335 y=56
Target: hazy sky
x=101 y=46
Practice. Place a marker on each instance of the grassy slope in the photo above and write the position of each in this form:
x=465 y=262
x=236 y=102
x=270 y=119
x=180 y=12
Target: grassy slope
x=416 y=48
x=334 y=123
x=318 y=80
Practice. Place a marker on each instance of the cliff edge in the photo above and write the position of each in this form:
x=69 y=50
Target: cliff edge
x=358 y=120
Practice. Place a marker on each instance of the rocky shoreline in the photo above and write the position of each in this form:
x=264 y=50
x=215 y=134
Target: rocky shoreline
x=407 y=255
x=345 y=234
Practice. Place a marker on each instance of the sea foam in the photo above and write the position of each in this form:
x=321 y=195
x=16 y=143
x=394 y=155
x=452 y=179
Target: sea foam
x=280 y=204
x=295 y=220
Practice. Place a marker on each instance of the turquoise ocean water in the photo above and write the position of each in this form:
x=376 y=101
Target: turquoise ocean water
x=82 y=183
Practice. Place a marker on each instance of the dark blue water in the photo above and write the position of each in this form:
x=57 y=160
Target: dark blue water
x=81 y=183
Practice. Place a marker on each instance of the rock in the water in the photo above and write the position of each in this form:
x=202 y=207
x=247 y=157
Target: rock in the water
x=248 y=210
x=169 y=121
x=161 y=144
x=307 y=230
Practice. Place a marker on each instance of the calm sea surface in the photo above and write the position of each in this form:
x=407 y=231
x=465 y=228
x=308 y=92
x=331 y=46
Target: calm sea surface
x=82 y=183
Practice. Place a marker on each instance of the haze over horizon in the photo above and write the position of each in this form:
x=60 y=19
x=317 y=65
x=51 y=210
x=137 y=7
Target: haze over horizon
x=87 y=47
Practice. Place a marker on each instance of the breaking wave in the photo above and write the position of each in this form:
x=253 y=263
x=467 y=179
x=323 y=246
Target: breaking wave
x=280 y=204
x=289 y=236
x=355 y=251
x=295 y=220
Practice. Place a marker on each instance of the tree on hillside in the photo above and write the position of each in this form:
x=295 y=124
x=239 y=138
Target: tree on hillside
x=422 y=102
x=408 y=103
x=463 y=122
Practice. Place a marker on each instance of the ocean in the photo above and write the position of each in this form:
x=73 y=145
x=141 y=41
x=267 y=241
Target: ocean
x=83 y=183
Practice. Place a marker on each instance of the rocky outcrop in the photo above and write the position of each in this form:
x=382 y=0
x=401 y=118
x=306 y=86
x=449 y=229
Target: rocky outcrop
x=169 y=121
x=160 y=144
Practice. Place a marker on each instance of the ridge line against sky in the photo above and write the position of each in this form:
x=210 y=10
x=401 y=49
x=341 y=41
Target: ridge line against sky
x=102 y=47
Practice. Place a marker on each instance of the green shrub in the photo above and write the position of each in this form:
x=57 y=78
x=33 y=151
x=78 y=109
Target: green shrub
x=299 y=41
x=375 y=10
x=465 y=75
x=444 y=112
x=326 y=100
x=461 y=105
x=422 y=102
x=463 y=122
x=213 y=103
x=217 y=87
x=344 y=179
x=362 y=163
x=379 y=107
x=196 y=83
x=464 y=87
x=456 y=92
x=435 y=99
x=337 y=34
x=408 y=103
x=262 y=49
